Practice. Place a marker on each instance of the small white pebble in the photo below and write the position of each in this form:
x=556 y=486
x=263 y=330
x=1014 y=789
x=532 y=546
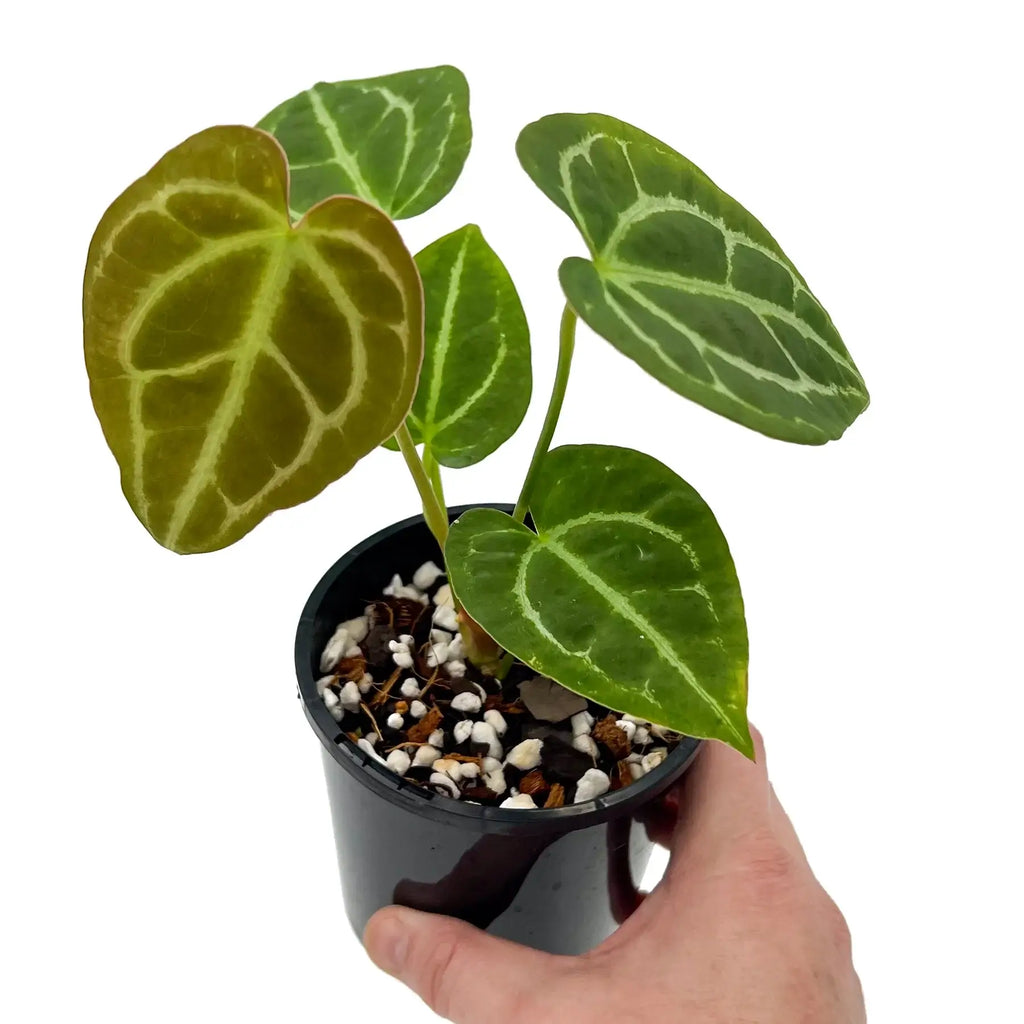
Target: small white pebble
x=402 y=658
x=593 y=784
x=654 y=758
x=330 y=698
x=406 y=639
x=393 y=586
x=357 y=629
x=367 y=747
x=642 y=736
x=470 y=771
x=322 y=683
x=437 y=654
x=426 y=756
x=398 y=761
x=634 y=758
x=396 y=646
x=526 y=755
x=496 y=720
x=410 y=688
x=637 y=771
x=440 y=636
x=660 y=731
x=462 y=731
x=437 y=779
x=334 y=650
x=495 y=781
x=426 y=575
x=581 y=723
x=456 y=649
x=443 y=598
x=436 y=738
x=411 y=594
x=350 y=697
x=456 y=669
x=395 y=721
x=445 y=618
x=467 y=702
x=483 y=732
x=628 y=727
x=491 y=764
x=523 y=800
x=365 y=684
x=585 y=745
x=417 y=709
x=354 y=652
x=337 y=712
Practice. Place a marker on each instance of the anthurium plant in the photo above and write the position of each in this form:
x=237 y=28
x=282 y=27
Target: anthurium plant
x=255 y=325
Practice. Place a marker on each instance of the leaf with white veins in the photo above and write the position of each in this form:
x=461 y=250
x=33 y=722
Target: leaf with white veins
x=398 y=141
x=626 y=594
x=686 y=282
x=475 y=384
x=238 y=364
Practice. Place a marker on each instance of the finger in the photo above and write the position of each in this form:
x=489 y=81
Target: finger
x=725 y=796
x=460 y=972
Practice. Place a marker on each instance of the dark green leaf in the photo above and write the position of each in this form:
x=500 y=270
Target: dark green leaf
x=399 y=141
x=627 y=593
x=686 y=282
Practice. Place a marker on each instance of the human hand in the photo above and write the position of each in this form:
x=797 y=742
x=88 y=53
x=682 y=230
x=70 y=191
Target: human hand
x=737 y=932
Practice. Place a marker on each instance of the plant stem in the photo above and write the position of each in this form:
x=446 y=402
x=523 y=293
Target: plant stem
x=434 y=473
x=433 y=511
x=566 y=342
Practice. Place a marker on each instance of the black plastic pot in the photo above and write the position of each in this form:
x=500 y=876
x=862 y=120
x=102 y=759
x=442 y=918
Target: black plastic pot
x=559 y=880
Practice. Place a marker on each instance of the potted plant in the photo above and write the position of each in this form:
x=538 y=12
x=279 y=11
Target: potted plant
x=500 y=691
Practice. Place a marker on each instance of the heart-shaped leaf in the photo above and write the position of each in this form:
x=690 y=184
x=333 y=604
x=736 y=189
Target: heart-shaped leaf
x=686 y=282
x=626 y=594
x=399 y=141
x=239 y=364
x=475 y=384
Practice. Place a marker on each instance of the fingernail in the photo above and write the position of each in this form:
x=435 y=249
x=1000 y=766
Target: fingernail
x=387 y=941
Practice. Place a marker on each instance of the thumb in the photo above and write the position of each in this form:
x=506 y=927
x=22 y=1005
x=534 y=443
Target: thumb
x=460 y=972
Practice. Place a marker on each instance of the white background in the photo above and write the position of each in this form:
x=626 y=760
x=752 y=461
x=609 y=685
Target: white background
x=167 y=852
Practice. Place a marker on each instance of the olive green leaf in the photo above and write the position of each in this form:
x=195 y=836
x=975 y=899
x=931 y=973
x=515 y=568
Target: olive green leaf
x=399 y=141
x=239 y=364
x=626 y=594
x=475 y=385
x=686 y=282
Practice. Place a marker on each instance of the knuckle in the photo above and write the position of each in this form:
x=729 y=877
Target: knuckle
x=837 y=931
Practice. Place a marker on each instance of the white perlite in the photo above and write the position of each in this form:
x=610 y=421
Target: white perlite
x=462 y=731
x=521 y=800
x=440 y=636
x=336 y=647
x=642 y=736
x=483 y=732
x=356 y=628
x=594 y=783
x=322 y=683
x=437 y=654
x=585 y=745
x=334 y=705
x=426 y=576
x=402 y=659
x=365 y=684
x=436 y=738
x=581 y=723
x=398 y=761
x=654 y=758
x=628 y=727
x=491 y=764
x=456 y=669
x=451 y=768
x=367 y=747
x=395 y=721
x=456 y=649
x=426 y=756
x=495 y=781
x=410 y=688
x=445 y=618
x=417 y=709
x=350 y=697
x=526 y=755
x=437 y=779
x=443 y=598
x=496 y=720
x=467 y=702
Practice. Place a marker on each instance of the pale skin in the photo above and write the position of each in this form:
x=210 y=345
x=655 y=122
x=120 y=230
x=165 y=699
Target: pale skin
x=737 y=932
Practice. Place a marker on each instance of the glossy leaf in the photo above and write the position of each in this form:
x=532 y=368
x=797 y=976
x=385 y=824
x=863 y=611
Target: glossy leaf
x=239 y=364
x=399 y=141
x=686 y=282
x=475 y=384
x=627 y=593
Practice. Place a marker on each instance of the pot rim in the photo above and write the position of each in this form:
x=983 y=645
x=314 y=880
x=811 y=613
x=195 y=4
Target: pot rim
x=387 y=784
